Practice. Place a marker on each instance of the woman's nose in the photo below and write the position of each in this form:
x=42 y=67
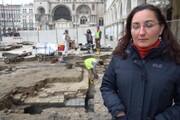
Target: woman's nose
x=142 y=30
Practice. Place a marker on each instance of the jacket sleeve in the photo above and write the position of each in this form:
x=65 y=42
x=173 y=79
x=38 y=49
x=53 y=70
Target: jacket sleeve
x=109 y=91
x=173 y=112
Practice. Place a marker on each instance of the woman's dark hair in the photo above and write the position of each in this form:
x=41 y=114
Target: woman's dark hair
x=66 y=31
x=88 y=31
x=173 y=47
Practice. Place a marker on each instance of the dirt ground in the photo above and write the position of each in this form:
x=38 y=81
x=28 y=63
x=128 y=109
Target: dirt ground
x=62 y=113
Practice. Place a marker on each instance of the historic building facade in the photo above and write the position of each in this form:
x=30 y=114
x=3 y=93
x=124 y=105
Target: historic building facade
x=27 y=17
x=116 y=12
x=16 y=17
x=10 y=17
x=54 y=14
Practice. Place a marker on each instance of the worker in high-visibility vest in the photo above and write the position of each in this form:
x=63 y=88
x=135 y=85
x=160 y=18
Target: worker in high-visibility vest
x=98 y=40
x=90 y=64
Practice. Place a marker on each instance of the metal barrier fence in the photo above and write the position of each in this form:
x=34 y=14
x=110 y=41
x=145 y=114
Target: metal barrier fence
x=175 y=28
x=56 y=36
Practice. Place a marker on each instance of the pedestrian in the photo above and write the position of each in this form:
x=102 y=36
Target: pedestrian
x=90 y=64
x=142 y=81
x=67 y=40
x=98 y=39
x=89 y=40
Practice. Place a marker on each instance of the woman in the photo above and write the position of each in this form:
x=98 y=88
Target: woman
x=89 y=40
x=143 y=77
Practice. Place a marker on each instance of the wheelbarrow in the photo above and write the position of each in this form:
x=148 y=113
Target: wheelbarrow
x=11 y=57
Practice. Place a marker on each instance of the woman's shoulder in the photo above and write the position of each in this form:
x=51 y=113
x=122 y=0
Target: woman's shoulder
x=116 y=57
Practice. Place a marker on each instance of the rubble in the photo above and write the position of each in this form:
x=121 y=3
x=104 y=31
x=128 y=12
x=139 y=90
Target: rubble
x=34 y=90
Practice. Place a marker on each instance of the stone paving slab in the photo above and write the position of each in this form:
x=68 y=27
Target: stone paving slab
x=27 y=79
x=57 y=92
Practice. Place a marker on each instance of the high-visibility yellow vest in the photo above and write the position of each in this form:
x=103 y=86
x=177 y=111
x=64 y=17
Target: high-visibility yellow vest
x=98 y=34
x=89 y=63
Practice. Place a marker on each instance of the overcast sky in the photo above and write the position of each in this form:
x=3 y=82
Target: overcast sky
x=16 y=1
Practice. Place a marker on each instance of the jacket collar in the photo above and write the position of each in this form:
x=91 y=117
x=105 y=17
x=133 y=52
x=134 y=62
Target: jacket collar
x=132 y=51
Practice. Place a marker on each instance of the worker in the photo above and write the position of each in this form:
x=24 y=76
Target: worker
x=98 y=40
x=90 y=64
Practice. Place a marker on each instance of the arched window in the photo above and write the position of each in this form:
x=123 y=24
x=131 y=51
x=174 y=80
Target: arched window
x=92 y=6
x=41 y=11
x=73 y=7
x=62 y=12
x=101 y=22
x=83 y=10
x=83 y=20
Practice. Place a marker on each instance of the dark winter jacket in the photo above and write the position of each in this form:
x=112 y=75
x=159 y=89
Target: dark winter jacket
x=143 y=88
x=89 y=38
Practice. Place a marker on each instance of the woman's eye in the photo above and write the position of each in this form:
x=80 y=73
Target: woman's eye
x=136 y=26
x=149 y=25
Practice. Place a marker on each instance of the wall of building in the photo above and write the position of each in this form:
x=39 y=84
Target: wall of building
x=27 y=17
x=115 y=18
x=51 y=6
x=14 y=17
x=10 y=17
x=175 y=22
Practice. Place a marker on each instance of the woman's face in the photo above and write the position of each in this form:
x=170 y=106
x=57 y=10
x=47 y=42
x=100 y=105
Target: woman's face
x=145 y=28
